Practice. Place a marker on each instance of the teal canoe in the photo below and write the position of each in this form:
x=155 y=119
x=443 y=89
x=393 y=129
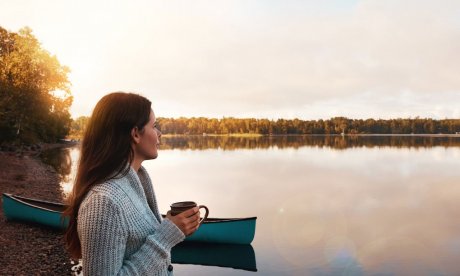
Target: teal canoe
x=212 y=230
x=35 y=211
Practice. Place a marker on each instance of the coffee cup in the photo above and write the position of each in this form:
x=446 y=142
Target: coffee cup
x=179 y=207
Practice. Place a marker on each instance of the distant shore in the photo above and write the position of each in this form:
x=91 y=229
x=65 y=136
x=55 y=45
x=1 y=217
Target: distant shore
x=27 y=249
x=256 y=135
x=345 y=134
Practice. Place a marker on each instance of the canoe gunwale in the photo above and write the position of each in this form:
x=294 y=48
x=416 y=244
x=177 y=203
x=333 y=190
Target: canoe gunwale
x=24 y=200
x=222 y=220
x=216 y=220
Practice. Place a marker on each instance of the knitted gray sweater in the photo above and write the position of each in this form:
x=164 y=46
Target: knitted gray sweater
x=121 y=230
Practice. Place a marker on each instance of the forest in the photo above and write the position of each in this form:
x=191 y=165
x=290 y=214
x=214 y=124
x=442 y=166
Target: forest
x=35 y=92
x=337 y=125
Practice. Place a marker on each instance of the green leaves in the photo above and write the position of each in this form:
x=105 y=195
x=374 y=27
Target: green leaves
x=29 y=110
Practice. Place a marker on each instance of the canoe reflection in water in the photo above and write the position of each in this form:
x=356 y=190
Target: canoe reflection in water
x=237 y=256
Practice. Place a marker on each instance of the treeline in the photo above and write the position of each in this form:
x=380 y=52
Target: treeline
x=31 y=109
x=338 y=125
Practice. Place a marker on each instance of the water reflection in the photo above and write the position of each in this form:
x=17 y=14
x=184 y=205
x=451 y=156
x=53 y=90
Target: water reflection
x=235 y=256
x=64 y=161
x=326 y=141
x=59 y=159
x=334 y=206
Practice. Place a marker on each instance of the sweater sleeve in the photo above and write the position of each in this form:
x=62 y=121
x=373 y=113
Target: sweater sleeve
x=103 y=235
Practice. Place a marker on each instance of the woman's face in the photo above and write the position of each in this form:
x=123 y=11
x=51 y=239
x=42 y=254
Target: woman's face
x=149 y=141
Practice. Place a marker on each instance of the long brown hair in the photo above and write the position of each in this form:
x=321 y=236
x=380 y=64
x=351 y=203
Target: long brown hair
x=105 y=151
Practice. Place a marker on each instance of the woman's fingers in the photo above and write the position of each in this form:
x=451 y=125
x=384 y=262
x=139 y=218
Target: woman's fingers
x=189 y=212
x=195 y=217
x=192 y=222
x=187 y=221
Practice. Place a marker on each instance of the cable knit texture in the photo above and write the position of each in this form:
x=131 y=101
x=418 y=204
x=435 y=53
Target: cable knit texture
x=121 y=230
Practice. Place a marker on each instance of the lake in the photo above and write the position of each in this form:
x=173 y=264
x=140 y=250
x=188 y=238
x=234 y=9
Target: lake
x=326 y=205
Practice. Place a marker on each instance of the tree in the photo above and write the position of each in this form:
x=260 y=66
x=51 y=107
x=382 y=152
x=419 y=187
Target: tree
x=78 y=127
x=30 y=79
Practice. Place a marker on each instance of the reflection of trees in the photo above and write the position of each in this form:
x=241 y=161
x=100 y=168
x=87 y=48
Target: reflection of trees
x=336 y=142
x=59 y=159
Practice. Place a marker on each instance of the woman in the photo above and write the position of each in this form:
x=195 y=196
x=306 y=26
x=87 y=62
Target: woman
x=114 y=223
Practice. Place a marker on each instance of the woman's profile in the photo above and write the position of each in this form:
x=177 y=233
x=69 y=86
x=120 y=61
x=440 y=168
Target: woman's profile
x=115 y=226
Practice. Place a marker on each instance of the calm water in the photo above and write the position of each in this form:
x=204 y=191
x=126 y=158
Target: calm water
x=325 y=205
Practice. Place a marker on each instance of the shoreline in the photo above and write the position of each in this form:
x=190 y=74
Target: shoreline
x=28 y=249
x=250 y=135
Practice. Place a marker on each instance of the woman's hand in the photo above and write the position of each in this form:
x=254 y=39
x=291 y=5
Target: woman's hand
x=186 y=221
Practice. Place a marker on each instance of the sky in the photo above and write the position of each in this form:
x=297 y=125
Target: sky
x=256 y=58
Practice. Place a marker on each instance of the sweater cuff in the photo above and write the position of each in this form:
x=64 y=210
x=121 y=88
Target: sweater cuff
x=170 y=233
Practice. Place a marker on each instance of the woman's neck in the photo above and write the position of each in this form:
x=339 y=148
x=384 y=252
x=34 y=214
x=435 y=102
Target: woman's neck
x=136 y=164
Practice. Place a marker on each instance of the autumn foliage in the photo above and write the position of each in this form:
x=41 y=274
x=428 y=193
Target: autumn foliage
x=333 y=126
x=34 y=90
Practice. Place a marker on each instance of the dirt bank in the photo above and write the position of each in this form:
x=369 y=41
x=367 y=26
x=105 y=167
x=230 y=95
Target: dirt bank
x=30 y=249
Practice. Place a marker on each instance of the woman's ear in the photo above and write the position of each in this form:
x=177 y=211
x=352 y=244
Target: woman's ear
x=135 y=135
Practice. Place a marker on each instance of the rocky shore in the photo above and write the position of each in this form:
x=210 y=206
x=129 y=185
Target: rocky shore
x=27 y=249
